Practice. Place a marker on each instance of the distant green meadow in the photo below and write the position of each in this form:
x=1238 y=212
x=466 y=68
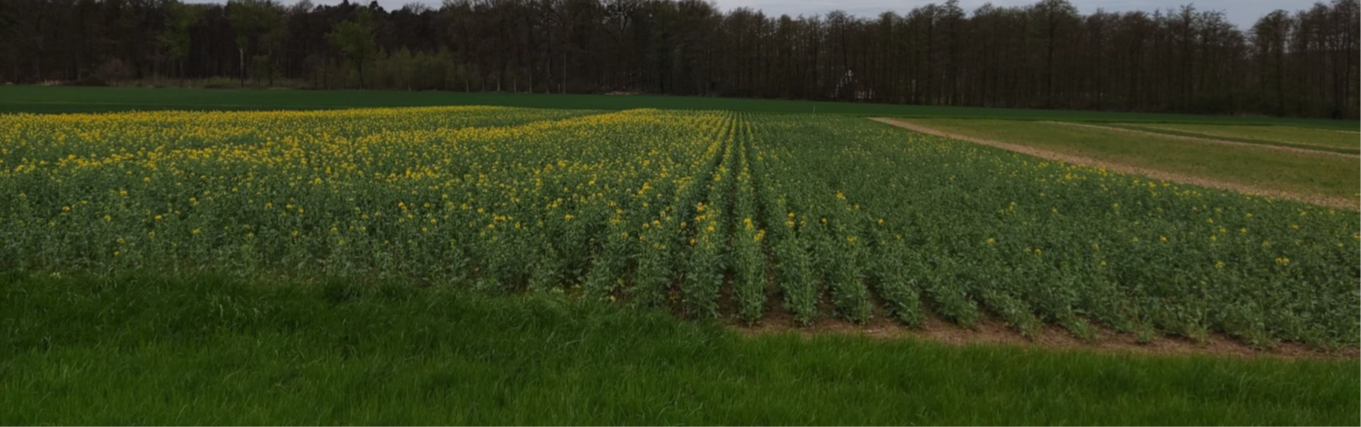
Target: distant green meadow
x=1259 y=165
x=1341 y=141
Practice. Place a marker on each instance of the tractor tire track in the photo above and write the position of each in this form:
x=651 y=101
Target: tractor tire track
x=1290 y=149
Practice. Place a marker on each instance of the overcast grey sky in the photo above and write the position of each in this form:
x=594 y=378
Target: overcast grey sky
x=1241 y=12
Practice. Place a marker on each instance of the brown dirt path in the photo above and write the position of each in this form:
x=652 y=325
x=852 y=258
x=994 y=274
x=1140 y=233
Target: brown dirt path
x=1207 y=140
x=1317 y=199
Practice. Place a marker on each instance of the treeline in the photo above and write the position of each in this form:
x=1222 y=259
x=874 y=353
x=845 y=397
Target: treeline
x=1046 y=55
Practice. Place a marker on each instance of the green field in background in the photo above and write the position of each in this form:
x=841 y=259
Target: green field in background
x=1320 y=173
x=1334 y=140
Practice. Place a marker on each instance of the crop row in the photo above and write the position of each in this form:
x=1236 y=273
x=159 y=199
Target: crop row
x=705 y=213
x=963 y=229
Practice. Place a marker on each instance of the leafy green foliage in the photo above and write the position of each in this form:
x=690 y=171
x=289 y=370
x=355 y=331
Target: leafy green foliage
x=1039 y=241
x=706 y=213
x=355 y=40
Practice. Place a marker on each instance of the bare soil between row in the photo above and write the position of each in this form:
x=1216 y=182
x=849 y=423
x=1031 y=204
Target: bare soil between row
x=989 y=331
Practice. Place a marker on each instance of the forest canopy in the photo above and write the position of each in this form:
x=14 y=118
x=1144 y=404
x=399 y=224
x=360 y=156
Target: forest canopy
x=1045 y=55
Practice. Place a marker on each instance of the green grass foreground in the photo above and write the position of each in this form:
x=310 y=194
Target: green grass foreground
x=69 y=99
x=147 y=350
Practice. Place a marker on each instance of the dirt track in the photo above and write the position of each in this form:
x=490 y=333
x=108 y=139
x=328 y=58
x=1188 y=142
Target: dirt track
x=1321 y=200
